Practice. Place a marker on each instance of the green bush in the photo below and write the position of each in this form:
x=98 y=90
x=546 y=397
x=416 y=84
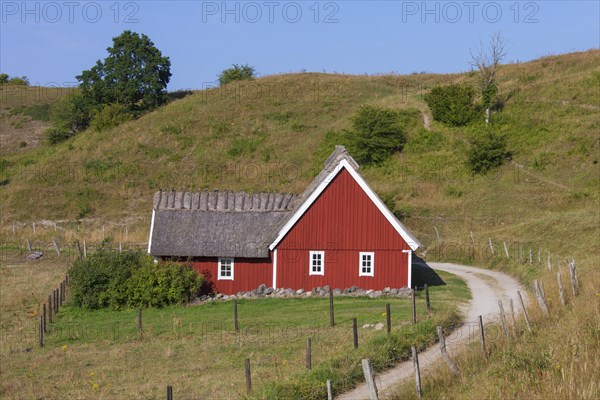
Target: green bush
x=56 y=134
x=376 y=134
x=236 y=73
x=487 y=151
x=72 y=113
x=117 y=280
x=109 y=117
x=452 y=104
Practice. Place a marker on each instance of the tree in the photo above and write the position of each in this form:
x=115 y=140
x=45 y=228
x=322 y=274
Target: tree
x=236 y=73
x=3 y=78
x=376 y=134
x=487 y=151
x=135 y=74
x=487 y=62
x=452 y=104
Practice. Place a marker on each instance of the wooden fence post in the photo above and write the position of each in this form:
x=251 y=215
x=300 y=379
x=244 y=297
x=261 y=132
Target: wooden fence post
x=369 y=379
x=56 y=301
x=308 y=354
x=41 y=331
x=44 y=317
x=561 y=290
x=524 y=311
x=506 y=250
x=169 y=392
x=414 y=305
x=444 y=352
x=355 y=332
x=79 y=249
x=482 y=338
x=574 y=280
x=56 y=247
x=415 y=357
x=236 y=326
x=388 y=318
x=50 y=309
x=491 y=246
x=84 y=249
x=329 y=390
x=28 y=244
x=427 y=301
x=503 y=319
x=530 y=256
x=331 y=315
x=540 y=297
x=139 y=324
x=248 y=376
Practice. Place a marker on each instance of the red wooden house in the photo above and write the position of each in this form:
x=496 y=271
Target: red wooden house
x=337 y=233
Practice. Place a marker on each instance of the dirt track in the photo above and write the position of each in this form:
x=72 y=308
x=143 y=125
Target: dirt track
x=487 y=287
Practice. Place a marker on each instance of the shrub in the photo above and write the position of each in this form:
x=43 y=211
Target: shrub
x=56 y=134
x=71 y=113
x=487 y=151
x=236 y=73
x=117 y=280
x=376 y=134
x=453 y=104
x=109 y=117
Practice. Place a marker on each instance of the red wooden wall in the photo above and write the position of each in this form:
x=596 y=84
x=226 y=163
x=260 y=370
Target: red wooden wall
x=248 y=274
x=343 y=222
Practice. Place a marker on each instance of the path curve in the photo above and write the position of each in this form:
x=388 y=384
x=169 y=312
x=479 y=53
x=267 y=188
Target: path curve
x=487 y=287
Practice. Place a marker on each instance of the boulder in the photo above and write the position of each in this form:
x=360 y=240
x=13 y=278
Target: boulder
x=299 y=292
x=268 y=291
x=326 y=289
x=309 y=294
x=394 y=292
x=337 y=291
x=261 y=288
x=379 y=326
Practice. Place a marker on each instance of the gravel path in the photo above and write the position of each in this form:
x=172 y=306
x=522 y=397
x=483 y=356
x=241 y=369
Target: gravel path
x=487 y=287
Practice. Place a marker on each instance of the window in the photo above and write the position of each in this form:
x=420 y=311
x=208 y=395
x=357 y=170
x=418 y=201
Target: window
x=316 y=263
x=366 y=264
x=226 y=269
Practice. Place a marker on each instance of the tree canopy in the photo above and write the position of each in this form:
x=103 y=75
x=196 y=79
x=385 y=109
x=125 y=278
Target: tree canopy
x=135 y=74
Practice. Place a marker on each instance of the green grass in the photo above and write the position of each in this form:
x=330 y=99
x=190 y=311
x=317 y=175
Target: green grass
x=196 y=349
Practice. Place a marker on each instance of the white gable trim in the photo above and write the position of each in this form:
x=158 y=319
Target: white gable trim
x=151 y=230
x=398 y=226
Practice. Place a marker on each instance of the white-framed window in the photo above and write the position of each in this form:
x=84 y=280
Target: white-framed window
x=366 y=264
x=225 y=269
x=316 y=263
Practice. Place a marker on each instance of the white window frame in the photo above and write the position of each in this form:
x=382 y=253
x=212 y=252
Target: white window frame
x=360 y=263
x=310 y=262
x=224 y=277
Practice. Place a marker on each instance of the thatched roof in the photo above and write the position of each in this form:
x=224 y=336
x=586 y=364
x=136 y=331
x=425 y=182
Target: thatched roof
x=215 y=224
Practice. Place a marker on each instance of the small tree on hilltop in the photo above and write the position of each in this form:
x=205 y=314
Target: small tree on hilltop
x=237 y=73
x=487 y=62
x=135 y=74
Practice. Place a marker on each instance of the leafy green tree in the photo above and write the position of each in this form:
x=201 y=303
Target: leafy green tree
x=109 y=117
x=72 y=113
x=18 y=80
x=237 y=73
x=135 y=74
x=487 y=151
x=376 y=134
x=452 y=104
x=3 y=78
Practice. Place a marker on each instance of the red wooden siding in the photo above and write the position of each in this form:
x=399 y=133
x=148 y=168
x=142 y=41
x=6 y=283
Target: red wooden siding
x=248 y=273
x=343 y=222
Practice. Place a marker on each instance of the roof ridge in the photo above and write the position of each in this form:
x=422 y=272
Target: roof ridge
x=223 y=200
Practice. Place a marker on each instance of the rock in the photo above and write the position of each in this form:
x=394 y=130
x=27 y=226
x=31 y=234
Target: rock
x=225 y=298
x=261 y=288
x=386 y=290
x=268 y=291
x=394 y=291
x=360 y=292
x=379 y=326
x=367 y=326
x=326 y=289
x=35 y=255
x=309 y=294
x=353 y=289
x=337 y=292
x=248 y=295
x=289 y=292
x=376 y=294
x=299 y=291
x=219 y=296
x=317 y=290
x=368 y=292
x=346 y=291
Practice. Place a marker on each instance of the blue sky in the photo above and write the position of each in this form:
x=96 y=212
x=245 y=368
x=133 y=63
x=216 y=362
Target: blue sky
x=53 y=41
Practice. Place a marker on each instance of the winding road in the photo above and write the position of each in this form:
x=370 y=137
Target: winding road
x=487 y=287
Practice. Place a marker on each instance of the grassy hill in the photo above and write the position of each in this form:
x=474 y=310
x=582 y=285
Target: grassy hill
x=270 y=134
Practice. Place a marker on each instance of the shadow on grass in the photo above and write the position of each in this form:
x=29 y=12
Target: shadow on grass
x=423 y=274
